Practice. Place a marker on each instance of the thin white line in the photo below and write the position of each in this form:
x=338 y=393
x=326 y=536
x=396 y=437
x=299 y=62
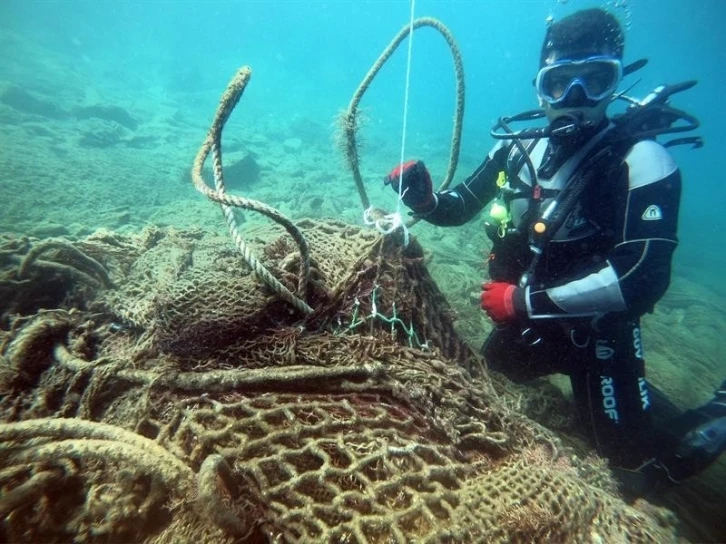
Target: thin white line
x=625 y=223
x=646 y=240
x=405 y=106
x=636 y=265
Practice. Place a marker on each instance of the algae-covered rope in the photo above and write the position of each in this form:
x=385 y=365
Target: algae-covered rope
x=215 y=474
x=21 y=443
x=295 y=377
x=77 y=264
x=349 y=119
x=213 y=144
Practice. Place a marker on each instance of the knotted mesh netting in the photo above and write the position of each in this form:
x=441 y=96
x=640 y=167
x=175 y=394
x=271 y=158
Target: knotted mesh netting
x=175 y=398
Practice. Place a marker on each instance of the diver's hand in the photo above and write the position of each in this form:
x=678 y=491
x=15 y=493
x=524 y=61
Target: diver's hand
x=502 y=301
x=416 y=189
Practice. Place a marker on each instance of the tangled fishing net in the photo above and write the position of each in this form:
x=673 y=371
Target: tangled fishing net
x=190 y=403
x=157 y=388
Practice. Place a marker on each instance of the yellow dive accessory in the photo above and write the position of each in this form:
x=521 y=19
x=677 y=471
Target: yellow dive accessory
x=501 y=179
x=499 y=215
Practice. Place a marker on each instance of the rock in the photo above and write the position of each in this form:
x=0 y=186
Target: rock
x=101 y=134
x=23 y=101
x=48 y=230
x=243 y=173
x=78 y=230
x=38 y=131
x=108 y=113
x=309 y=129
x=292 y=144
x=142 y=142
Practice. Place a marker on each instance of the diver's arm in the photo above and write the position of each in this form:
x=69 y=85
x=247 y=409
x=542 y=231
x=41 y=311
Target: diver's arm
x=637 y=271
x=460 y=204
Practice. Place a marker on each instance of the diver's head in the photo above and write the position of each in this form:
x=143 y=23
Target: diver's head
x=580 y=68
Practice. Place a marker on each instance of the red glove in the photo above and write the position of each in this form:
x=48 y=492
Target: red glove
x=497 y=300
x=416 y=189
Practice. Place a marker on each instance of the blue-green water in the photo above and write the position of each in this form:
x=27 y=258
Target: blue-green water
x=309 y=56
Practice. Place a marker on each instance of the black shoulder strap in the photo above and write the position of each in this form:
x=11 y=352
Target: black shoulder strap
x=604 y=155
x=516 y=161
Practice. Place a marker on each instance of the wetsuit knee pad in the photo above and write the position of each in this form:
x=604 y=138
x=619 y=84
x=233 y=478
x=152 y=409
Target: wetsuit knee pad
x=523 y=353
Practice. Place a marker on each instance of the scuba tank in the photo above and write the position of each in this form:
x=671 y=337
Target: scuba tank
x=654 y=116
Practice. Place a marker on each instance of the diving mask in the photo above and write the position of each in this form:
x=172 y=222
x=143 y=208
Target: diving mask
x=598 y=77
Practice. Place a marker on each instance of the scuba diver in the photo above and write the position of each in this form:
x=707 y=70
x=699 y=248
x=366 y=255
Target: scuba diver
x=584 y=225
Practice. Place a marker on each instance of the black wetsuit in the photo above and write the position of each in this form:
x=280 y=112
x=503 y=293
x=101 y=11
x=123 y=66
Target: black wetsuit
x=606 y=265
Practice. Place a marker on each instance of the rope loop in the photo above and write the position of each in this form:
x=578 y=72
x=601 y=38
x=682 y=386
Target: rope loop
x=349 y=120
x=213 y=145
x=386 y=223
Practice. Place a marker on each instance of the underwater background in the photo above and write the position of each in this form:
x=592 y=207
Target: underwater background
x=104 y=104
